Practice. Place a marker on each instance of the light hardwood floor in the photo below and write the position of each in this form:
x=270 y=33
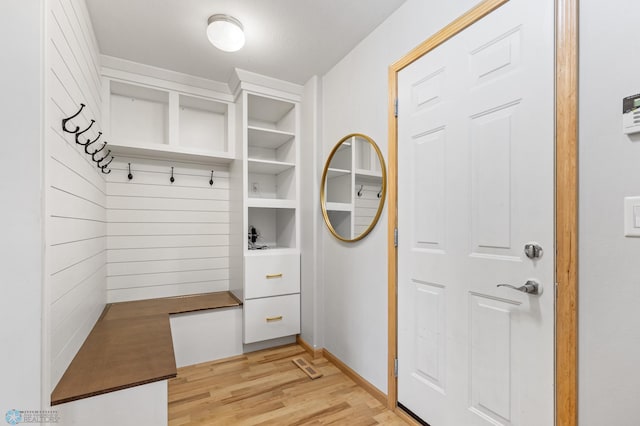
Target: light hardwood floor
x=266 y=388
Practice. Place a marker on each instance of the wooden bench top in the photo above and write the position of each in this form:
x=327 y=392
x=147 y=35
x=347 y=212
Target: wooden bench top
x=130 y=345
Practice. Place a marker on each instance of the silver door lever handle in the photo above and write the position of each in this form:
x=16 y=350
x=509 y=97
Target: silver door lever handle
x=530 y=287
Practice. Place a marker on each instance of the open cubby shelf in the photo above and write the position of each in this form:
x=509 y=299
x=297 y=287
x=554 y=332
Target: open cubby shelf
x=164 y=123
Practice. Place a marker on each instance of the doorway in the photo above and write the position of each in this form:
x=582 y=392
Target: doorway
x=492 y=223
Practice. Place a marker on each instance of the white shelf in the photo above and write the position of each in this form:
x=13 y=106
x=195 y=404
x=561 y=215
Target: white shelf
x=270 y=203
x=368 y=173
x=268 y=167
x=332 y=173
x=272 y=251
x=368 y=177
x=339 y=207
x=268 y=138
x=170 y=152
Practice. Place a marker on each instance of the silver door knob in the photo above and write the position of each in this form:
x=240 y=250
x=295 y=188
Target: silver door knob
x=530 y=287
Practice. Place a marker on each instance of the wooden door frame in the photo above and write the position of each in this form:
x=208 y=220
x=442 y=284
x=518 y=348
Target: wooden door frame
x=566 y=208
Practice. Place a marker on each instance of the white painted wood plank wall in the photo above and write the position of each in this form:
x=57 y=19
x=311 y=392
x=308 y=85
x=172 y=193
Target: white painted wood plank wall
x=75 y=189
x=366 y=205
x=166 y=239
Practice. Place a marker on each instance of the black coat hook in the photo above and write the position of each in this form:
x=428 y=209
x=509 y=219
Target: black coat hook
x=171 y=179
x=360 y=191
x=91 y=142
x=79 y=133
x=100 y=160
x=64 y=121
x=105 y=166
x=211 y=180
x=380 y=193
x=130 y=176
x=93 y=154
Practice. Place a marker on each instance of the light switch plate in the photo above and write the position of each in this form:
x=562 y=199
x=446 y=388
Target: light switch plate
x=632 y=216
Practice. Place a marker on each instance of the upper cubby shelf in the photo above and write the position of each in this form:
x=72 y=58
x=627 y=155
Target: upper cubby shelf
x=273 y=114
x=167 y=123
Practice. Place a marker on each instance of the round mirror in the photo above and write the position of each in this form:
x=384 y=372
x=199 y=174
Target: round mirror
x=353 y=188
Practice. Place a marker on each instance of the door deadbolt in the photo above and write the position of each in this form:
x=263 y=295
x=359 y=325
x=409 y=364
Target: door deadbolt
x=533 y=250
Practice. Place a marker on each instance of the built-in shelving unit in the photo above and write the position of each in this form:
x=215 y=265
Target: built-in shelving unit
x=270 y=210
x=257 y=131
x=145 y=119
x=272 y=175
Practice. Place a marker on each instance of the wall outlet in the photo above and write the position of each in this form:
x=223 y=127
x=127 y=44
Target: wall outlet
x=632 y=217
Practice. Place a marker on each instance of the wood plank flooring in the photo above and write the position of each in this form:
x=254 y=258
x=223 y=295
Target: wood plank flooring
x=266 y=388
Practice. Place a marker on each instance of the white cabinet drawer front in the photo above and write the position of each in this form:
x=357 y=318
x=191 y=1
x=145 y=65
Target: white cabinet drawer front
x=271 y=317
x=271 y=275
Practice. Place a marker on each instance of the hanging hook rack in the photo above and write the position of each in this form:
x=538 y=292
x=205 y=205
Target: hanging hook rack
x=211 y=180
x=360 y=191
x=79 y=133
x=380 y=193
x=130 y=176
x=64 y=120
x=91 y=142
x=172 y=179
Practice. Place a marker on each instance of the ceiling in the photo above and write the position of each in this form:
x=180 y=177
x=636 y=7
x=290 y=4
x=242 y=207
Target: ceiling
x=287 y=39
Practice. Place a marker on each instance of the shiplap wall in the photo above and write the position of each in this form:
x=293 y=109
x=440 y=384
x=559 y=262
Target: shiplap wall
x=365 y=206
x=166 y=239
x=75 y=188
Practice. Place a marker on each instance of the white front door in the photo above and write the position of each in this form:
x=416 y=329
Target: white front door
x=475 y=185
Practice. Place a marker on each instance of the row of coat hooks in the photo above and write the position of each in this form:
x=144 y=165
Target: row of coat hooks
x=171 y=178
x=361 y=191
x=97 y=155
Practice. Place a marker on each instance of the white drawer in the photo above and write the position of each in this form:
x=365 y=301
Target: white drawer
x=271 y=317
x=271 y=275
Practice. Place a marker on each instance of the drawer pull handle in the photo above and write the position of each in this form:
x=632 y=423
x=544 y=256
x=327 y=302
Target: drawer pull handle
x=272 y=276
x=274 y=319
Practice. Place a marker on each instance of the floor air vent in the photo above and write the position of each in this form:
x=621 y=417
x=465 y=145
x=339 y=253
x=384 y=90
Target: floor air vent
x=307 y=368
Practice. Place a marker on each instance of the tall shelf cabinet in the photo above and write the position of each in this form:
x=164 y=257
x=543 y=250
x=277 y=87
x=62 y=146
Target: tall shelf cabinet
x=268 y=177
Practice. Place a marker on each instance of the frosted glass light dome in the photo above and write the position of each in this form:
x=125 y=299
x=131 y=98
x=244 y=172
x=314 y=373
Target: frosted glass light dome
x=225 y=32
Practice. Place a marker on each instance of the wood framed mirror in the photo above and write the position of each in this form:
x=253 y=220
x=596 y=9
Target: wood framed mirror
x=353 y=187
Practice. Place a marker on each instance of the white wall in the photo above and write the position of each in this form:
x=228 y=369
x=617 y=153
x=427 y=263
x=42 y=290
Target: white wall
x=75 y=188
x=609 y=294
x=21 y=178
x=166 y=239
x=355 y=100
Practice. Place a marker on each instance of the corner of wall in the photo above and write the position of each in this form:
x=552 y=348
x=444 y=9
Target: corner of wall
x=311 y=259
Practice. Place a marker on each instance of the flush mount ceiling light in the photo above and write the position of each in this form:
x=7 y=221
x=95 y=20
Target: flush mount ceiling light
x=225 y=32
